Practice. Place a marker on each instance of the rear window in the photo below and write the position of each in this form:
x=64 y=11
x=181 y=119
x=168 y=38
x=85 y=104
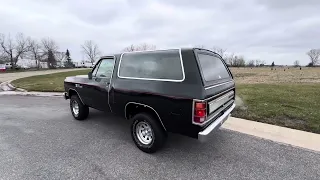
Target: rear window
x=154 y=65
x=212 y=67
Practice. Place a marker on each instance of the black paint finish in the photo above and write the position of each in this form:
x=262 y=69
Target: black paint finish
x=171 y=100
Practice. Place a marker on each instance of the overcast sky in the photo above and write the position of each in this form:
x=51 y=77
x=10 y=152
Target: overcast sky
x=270 y=30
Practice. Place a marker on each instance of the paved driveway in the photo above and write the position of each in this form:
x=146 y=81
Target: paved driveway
x=40 y=140
x=12 y=76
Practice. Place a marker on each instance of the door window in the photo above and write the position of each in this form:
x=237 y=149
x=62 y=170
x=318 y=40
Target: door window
x=104 y=69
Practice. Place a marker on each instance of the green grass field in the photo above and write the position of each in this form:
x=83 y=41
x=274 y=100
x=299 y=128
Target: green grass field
x=289 y=105
x=289 y=98
x=46 y=83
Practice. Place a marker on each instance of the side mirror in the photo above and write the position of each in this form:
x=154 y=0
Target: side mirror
x=90 y=75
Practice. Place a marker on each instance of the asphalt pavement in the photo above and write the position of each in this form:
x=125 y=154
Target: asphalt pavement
x=39 y=139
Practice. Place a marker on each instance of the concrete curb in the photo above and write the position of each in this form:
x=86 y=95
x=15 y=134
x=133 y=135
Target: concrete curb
x=39 y=94
x=15 y=88
x=279 y=134
x=7 y=86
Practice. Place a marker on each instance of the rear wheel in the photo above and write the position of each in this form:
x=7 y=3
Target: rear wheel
x=147 y=133
x=78 y=109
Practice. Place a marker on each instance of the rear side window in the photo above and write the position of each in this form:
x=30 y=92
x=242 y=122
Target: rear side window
x=212 y=67
x=154 y=65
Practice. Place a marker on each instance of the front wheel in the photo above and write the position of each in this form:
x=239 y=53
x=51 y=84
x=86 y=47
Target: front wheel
x=78 y=109
x=147 y=133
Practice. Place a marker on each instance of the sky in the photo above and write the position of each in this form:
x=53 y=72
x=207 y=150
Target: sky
x=271 y=30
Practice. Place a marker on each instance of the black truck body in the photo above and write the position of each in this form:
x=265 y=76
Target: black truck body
x=182 y=95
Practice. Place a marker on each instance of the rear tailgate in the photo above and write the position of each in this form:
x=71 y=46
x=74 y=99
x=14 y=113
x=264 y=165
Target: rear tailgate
x=219 y=87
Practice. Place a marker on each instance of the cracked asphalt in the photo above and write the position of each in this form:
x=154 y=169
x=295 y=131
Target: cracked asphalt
x=39 y=139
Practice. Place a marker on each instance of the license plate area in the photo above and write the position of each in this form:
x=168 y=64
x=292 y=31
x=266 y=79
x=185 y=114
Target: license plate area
x=217 y=103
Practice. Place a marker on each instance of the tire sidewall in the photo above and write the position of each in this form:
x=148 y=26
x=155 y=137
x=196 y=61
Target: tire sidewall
x=71 y=102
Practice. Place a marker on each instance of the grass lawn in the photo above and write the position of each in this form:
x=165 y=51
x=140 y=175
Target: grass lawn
x=291 y=105
x=47 y=83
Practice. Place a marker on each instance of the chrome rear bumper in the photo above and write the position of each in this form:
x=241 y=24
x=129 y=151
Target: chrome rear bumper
x=203 y=135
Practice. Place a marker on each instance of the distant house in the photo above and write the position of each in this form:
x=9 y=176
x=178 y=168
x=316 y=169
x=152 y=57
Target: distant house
x=31 y=63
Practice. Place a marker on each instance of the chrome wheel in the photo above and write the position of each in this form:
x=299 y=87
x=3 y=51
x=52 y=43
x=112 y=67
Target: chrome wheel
x=75 y=108
x=144 y=133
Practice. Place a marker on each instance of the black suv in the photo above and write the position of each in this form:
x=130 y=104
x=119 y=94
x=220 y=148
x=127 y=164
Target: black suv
x=188 y=91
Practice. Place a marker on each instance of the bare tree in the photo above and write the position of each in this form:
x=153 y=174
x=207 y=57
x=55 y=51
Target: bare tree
x=141 y=47
x=49 y=48
x=258 y=62
x=230 y=59
x=314 y=55
x=219 y=51
x=36 y=51
x=296 y=63
x=49 y=44
x=200 y=46
x=91 y=50
x=60 y=56
x=251 y=63
x=14 y=49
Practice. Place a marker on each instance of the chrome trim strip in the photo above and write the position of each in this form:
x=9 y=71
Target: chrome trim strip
x=76 y=92
x=218 y=85
x=125 y=111
x=114 y=65
x=214 y=95
x=203 y=135
x=153 y=79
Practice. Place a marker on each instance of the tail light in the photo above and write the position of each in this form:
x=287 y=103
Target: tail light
x=200 y=112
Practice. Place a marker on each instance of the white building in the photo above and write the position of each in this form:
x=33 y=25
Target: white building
x=30 y=63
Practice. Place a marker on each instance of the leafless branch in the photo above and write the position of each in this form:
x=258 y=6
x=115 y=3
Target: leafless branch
x=36 y=51
x=251 y=63
x=219 y=51
x=60 y=55
x=14 y=49
x=141 y=47
x=296 y=63
x=91 y=50
x=314 y=55
x=49 y=44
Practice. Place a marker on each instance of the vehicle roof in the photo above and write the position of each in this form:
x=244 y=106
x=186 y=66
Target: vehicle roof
x=184 y=49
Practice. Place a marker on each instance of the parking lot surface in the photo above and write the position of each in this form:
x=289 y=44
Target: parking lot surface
x=39 y=139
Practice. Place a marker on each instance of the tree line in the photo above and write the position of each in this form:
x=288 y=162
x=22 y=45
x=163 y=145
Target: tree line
x=235 y=60
x=44 y=50
x=47 y=50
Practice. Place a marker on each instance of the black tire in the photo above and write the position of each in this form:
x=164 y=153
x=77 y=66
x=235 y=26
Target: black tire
x=83 y=109
x=158 y=133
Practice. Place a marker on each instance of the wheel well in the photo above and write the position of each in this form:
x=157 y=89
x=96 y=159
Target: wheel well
x=72 y=92
x=132 y=109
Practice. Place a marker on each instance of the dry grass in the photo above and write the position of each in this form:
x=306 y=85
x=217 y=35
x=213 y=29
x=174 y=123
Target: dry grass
x=280 y=75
